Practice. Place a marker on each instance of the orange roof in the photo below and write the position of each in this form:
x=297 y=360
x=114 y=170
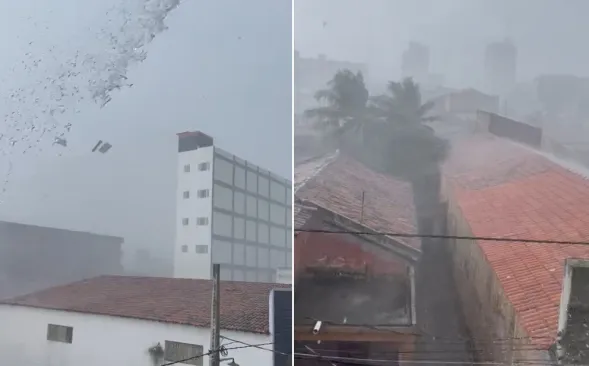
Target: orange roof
x=337 y=183
x=244 y=305
x=506 y=190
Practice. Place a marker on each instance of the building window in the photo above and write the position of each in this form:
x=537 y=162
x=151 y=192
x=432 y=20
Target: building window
x=202 y=221
x=187 y=168
x=184 y=248
x=203 y=193
x=185 y=221
x=201 y=249
x=186 y=194
x=185 y=353
x=204 y=166
x=60 y=333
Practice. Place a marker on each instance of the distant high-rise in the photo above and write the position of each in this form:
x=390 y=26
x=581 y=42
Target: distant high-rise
x=415 y=62
x=500 y=67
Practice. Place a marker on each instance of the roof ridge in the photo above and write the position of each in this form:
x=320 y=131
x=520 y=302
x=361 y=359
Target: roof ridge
x=571 y=166
x=328 y=160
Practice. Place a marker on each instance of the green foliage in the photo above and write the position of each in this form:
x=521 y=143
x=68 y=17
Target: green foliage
x=386 y=132
x=344 y=104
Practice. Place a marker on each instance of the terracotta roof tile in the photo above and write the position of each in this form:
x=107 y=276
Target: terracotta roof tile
x=338 y=186
x=244 y=305
x=518 y=193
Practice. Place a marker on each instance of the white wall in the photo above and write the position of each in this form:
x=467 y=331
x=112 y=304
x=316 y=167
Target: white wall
x=191 y=264
x=103 y=340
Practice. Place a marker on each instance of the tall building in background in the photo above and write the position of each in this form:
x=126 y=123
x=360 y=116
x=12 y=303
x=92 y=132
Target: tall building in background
x=500 y=67
x=232 y=212
x=312 y=74
x=415 y=62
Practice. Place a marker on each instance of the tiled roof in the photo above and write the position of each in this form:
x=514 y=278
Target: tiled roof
x=338 y=186
x=506 y=190
x=244 y=305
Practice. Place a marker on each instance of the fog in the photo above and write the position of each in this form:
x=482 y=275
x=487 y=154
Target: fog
x=466 y=121
x=134 y=73
x=377 y=32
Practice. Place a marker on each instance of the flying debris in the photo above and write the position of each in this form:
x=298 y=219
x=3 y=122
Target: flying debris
x=102 y=147
x=60 y=141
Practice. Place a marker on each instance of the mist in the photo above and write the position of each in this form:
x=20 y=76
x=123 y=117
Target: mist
x=134 y=74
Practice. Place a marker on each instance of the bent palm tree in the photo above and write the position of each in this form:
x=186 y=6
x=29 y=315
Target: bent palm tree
x=345 y=104
x=402 y=145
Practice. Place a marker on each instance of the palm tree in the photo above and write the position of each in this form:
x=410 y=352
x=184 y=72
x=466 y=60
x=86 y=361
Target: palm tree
x=401 y=144
x=402 y=104
x=344 y=106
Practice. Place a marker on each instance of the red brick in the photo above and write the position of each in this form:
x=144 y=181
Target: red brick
x=244 y=305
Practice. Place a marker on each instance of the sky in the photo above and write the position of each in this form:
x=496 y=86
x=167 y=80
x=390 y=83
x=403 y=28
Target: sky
x=548 y=34
x=222 y=67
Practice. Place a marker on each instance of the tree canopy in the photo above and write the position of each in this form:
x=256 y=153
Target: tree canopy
x=387 y=132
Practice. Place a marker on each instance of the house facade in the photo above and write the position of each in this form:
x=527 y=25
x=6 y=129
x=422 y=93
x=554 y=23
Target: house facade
x=362 y=284
x=136 y=321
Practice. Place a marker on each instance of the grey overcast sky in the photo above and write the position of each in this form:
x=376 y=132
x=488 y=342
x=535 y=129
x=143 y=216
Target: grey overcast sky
x=549 y=33
x=223 y=67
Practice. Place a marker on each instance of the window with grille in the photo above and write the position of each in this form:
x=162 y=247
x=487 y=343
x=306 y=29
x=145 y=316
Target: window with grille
x=185 y=221
x=204 y=166
x=60 y=333
x=189 y=354
x=202 y=221
x=201 y=249
x=203 y=193
x=186 y=194
x=187 y=168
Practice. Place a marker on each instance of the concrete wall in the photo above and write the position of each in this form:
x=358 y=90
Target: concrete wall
x=487 y=312
x=188 y=262
x=103 y=340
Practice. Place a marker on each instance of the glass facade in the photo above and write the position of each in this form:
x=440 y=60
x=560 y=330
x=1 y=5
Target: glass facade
x=251 y=220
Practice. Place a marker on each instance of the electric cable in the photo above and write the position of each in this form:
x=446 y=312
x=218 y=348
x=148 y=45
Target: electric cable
x=451 y=237
x=222 y=350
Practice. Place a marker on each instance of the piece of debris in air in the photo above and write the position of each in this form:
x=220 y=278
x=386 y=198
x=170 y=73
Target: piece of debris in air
x=60 y=141
x=102 y=147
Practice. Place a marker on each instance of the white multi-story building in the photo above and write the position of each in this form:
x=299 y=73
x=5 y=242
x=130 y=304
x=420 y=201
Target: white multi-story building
x=229 y=211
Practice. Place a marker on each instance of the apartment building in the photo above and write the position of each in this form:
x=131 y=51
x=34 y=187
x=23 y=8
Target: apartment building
x=229 y=211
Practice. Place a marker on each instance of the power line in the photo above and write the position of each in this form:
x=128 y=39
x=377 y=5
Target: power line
x=434 y=236
x=221 y=350
x=372 y=361
x=255 y=346
x=362 y=361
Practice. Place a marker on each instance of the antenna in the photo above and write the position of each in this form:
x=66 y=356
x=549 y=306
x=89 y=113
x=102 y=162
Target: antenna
x=362 y=210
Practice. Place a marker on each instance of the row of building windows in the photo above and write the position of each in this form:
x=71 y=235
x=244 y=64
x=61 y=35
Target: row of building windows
x=250 y=275
x=198 y=249
x=251 y=206
x=226 y=252
x=251 y=181
x=201 y=167
x=251 y=230
x=200 y=221
x=201 y=193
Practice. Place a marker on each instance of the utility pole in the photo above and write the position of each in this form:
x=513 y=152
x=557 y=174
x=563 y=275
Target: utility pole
x=215 y=356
